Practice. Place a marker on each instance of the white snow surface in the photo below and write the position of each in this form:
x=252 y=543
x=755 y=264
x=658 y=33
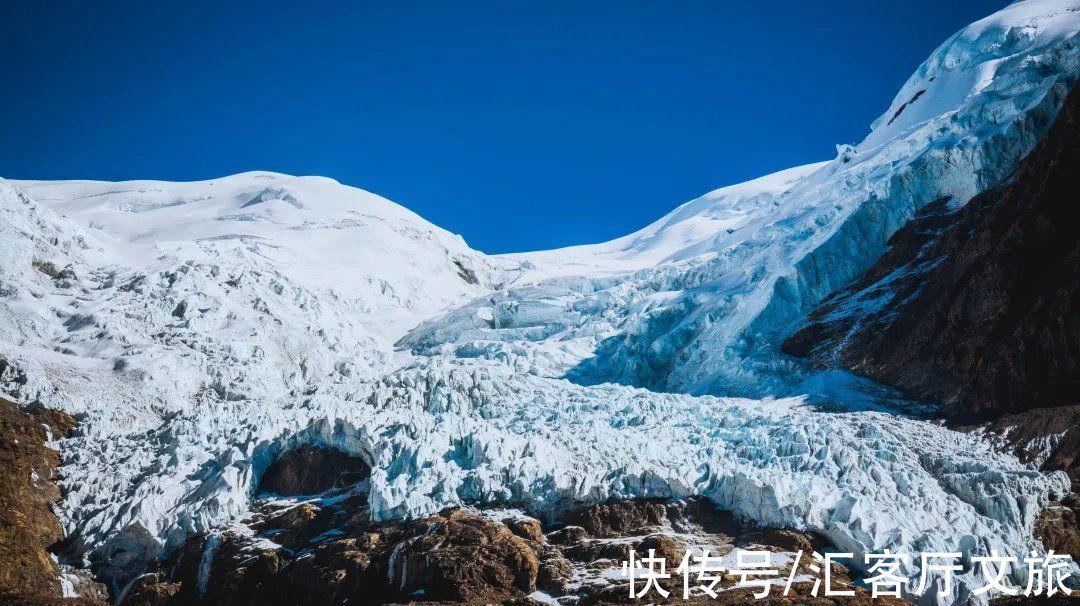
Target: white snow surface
x=198 y=330
x=708 y=291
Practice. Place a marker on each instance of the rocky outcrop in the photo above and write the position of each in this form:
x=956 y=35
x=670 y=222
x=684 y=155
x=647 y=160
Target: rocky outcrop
x=1048 y=438
x=671 y=529
x=323 y=551
x=976 y=309
x=1058 y=529
x=1057 y=600
x=328 y=553
x=619 y=517
x=28 y=527
x=464 y=557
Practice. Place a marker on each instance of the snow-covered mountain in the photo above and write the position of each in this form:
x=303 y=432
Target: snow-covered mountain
x=198 y=330
x=721 y=279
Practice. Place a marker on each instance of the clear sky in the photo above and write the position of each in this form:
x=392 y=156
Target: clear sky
x=520 y=125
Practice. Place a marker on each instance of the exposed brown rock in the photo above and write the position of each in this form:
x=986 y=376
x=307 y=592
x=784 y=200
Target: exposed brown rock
x=526 y=528
x=239 y=572
x=554 y=571
x=786 y=539
x=459 y=557
x=567 y=534
x=28 y=527
x=591 y=550
x=619 y=517
x=1058 y=529
x=294 y=526
x=88 y=590
x=465 y=557
x=662 y=546
x=152 y=590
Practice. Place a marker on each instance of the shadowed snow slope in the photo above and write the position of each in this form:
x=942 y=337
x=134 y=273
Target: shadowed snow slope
x=205 y=328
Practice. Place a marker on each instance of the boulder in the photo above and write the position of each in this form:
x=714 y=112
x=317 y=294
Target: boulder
x=617 y=518
x=464 y=557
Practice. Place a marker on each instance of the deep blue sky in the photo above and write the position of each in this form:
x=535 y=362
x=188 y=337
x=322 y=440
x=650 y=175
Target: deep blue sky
x=520 y=125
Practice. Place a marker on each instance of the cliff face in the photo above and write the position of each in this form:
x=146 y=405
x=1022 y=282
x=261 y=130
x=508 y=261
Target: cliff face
x=28 y=527
x=977 y=308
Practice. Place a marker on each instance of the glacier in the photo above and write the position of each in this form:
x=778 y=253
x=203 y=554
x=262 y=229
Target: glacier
x=198 y=330
x=722 y=278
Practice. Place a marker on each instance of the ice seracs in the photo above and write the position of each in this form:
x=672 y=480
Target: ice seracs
x=202 y=329
x=709 y=291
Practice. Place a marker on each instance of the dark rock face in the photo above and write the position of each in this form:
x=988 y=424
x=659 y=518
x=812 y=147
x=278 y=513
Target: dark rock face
x=1058 y=529
x=977 y=309
x=28 y=527
x=310 y=470
x=1050 y=439
x=1046 y=437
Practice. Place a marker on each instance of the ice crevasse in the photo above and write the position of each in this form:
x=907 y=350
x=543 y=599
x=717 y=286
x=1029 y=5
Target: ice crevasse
x=198 y=330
